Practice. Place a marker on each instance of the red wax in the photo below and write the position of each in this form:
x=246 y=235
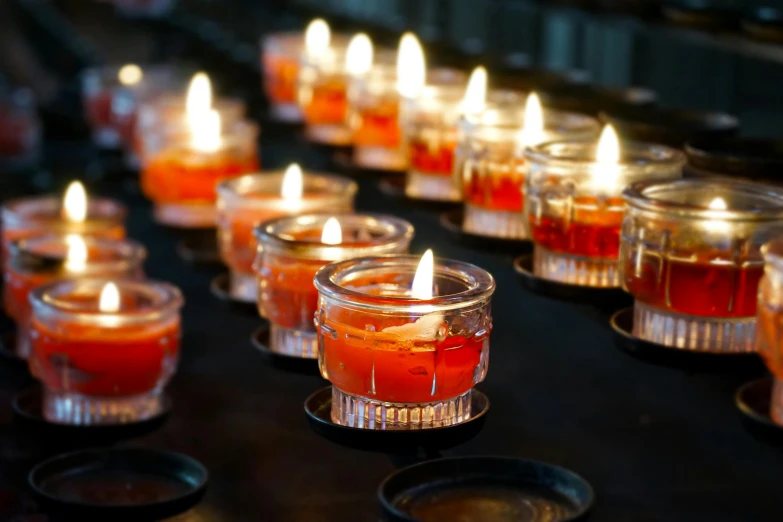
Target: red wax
x=695 y=286
x=98 y=109
x=432 y=158
x=104 y=361
x=280 y=77
x=45 y=226
x=401 y=369
x=170 y=178
x=379 y=126
x=499 y=189
x=592 y=232
x=290 y=298
x=329 y=104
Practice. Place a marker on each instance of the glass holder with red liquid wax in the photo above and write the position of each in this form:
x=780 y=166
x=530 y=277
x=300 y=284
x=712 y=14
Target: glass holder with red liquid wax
x=396 y=362
x=691 y=257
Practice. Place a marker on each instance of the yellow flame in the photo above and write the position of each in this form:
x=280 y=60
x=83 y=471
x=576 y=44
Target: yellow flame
x=359 y=56
x=411 y=66
x=317 y=38
x=130 y=74
x=718 y=204
x=607 y=156
x=422 y=281
x=75 y=203
x=332 y=233
x=293 y=184
x=109 y=301
x=76 y=257
x=476 y=92
x=198 y=100
x=533 y=130
x=205 y=131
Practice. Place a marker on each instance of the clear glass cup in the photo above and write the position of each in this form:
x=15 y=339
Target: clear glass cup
x=280 y=54
x=769 y=322
x=694 y=270
x=396 y=362
x=246 y=201
x=574 y=206
x=290 y=252
x=104 y=367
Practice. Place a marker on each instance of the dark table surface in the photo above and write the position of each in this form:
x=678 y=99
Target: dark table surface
x=658 y=444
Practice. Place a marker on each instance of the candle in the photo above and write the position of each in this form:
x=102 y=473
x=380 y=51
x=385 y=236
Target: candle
x=691 y=258
x=73 y=214
x=403 y=341
x=323 y=84
x=769 y=324
x=181 y=177
x=249 y=200
x=490 y=164
x=20 y=131
x=43 y=259
x=574 y=204
x=374 y=103
x=104 y=350
x=292 y=249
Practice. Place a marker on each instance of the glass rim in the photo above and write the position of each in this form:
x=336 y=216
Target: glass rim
x=480 y=284
x=640 y=195
x=270 y=233
x=132 y=253
x=634 y=154
x=231 y=189
x=112 y=211
x=45 y=302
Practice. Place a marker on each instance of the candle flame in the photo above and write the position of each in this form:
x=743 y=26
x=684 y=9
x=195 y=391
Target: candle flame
x=332 y=233
x=75 y=203
x=359 y=57
x=411 y=66
x=715 y=224
x=198 y=100
x=317 y=38
x=607 y=156
x=109 y=301
x=130 y=74
x=76 y=257
x=718 y=204
x=422 y=281
x=476 y=92
x=205 y=131
x=533 y=130
x=293 y=184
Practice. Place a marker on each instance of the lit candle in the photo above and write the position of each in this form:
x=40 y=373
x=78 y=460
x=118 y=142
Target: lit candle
x=491 y=166
x=691 y=257
x=249 y=200
x=181 y=178
x=72 y=214
x=403 y=341
x=292 y=249
x=574 y=204
x=103 y=350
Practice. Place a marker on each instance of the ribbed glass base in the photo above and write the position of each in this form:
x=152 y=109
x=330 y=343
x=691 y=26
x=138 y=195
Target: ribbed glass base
x=85 y=410
x=690 y=332
x=379 y=158
x=185 y=216
x=361 y=412
x=294 y=343
x=494 y=223
x=576 y=270
x=431 y=186
x=243 y=287
x=776 y=402
x=287 y=112
x=339 y=135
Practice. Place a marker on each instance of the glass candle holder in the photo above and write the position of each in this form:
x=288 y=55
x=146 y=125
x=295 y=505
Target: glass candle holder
x=39 y=215
x=245 y=202
x=693 y=266
x=104 y=367
x=290 y=252
x=162 y=122
x=374 y=109
x=181 y=179
x=20 y=131
x=490 y=164
x=396 y=362
x=430 y=129
x=280 y=54
x=574 y=207
x=38 y=261
x=769 y=323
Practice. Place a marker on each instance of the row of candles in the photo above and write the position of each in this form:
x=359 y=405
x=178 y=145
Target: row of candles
x=401 y=345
